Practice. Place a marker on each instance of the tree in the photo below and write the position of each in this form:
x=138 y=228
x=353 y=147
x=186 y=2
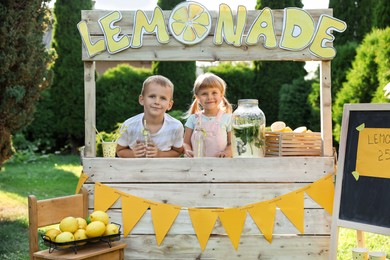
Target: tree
x=271 y=75
x=341 y=64
x=24 y=72
x=295 y=109
x=358 y=16
x=67 y=92
x=368 y=76
x=181 y=73
x=381 y=14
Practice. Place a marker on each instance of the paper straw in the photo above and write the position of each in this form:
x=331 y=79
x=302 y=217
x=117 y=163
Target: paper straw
x=98 y=134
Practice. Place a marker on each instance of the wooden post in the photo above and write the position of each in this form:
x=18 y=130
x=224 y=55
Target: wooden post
x=326 y=105
x=90 y=108
x=33 y=225
x=360 y=238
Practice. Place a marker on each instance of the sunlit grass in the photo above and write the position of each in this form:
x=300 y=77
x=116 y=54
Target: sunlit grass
x=12 y=206
x=75 y=169
x=373 y=242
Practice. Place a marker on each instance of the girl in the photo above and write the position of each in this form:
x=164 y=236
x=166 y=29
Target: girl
x=208 y=127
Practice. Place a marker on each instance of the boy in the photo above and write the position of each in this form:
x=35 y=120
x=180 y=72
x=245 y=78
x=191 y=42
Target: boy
x=166 y=132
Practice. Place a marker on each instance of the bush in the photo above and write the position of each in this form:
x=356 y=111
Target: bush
x=368 y=76
x=294 y=107
x=239 y=79
x=117 y=92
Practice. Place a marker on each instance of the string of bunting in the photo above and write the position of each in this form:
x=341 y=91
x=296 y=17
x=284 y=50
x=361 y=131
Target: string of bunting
x=203 y=220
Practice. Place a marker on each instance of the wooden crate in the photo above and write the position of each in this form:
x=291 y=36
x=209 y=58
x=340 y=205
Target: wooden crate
x=293 y=144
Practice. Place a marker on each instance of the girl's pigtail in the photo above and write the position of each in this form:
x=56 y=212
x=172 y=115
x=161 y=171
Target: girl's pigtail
x=227 y=106
x=192 y=110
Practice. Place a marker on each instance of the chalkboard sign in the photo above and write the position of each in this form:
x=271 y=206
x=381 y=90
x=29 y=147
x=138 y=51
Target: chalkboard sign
x=362 y=196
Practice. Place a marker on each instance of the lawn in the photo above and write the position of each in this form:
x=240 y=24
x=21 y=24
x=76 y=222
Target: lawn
x=56 y=175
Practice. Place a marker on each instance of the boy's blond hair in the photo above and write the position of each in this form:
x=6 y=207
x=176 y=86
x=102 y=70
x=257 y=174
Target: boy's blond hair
x=157 y=79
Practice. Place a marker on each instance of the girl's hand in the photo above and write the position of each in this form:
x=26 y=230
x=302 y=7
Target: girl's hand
x=227 y=153
x=188 y=153
x=222 y=155
x=151 y=151
x=139 y=150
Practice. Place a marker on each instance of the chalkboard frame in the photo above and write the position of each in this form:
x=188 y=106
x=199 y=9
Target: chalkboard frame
x=336 y=220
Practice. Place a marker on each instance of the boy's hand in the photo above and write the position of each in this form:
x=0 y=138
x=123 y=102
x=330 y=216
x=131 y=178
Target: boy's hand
x=139 y=150
x=151 y=151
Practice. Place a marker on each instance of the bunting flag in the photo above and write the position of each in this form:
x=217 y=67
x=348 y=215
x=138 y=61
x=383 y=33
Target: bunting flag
x=322 y=191
x=263 y=214
x=163 y=216
x=233 y=220
x=292 y=206
x=133 y=208
x=105 y=197
x=203 y=222
x=83 y=177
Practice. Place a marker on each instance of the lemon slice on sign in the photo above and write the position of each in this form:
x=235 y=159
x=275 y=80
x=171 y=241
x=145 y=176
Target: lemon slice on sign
x=190 y=23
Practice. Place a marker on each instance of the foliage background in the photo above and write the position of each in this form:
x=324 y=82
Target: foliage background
x=24 y=70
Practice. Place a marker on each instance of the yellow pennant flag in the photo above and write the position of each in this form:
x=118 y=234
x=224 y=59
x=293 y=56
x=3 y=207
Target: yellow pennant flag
x=163 y=216
x=263 y=213
x=322 y=191
x=203 y=221
x=292 y=206
x=83 y=177
x=105 y=197
x=233 y=220
x=133 y=208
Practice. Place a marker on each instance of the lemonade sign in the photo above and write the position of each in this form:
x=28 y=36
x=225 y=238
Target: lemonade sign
x=373 y=153
x=190 y=23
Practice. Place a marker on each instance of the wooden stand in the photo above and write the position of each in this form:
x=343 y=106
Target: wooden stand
x=211 y=182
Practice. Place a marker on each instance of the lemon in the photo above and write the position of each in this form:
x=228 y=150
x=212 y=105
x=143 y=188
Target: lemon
x=82 y=223
x=80 y=234
x=69 y=224
x=278 y=126
x=111 y=229
x=287 y=129
x=190 y=22
x=52 y=234
x=95 y=229
x=65 y=237
x=99 y=216
x=301 y=129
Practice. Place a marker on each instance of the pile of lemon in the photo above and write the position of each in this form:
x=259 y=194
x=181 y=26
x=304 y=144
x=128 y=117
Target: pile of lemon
x=280 y=126
x=76 y=228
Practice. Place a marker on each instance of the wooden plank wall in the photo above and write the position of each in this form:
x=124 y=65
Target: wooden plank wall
x=222 y=183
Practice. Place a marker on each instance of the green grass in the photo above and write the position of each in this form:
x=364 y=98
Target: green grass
x=55 y=175
x=45 y=177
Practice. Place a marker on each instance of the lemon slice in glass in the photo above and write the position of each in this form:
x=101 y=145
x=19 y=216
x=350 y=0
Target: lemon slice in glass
x=190 y=23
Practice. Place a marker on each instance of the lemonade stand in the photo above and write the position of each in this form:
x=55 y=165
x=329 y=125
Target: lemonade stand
x=275 y=207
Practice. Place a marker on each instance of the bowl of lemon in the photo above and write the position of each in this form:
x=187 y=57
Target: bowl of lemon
x=75 y=232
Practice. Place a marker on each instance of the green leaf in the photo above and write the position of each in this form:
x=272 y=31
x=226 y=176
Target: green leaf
x=356 y=175
x=361 y=127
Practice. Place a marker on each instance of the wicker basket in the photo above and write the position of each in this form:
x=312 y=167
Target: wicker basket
x=293 y=144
